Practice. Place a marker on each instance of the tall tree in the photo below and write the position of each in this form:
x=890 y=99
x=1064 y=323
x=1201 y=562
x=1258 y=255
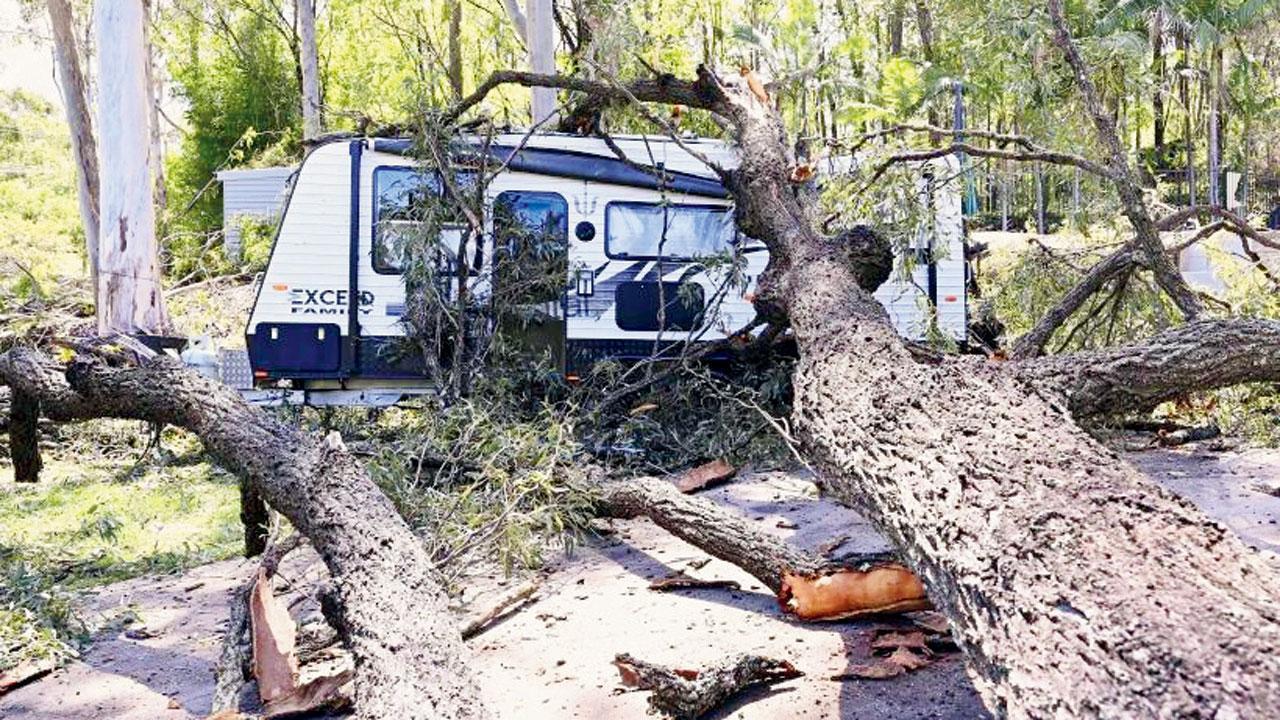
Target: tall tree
x=130 y=297
x=309 y=66
x=537 y=27
x=454 y=10
x=75 y=100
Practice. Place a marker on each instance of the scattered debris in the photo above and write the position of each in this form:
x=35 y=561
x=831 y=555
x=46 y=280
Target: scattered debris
x=689 y=694
x=704 y=476
x=1182 y=436
x=681 y=581
x=516 y=598
x=895 y=652
x=24 y=673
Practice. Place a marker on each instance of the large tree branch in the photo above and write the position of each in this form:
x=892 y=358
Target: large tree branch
x=409 y=655
x=1200 y=355
x=701 y=93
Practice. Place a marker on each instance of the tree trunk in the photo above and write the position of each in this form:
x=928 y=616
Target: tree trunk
x=542 y=59
x=24 y=437
x=84 y=150
x=1157 y=94
x=1075 y=585
x=453 y=8
x=896 y=13
x=408 y=651
x=1184 y=93
x=309 y=64
x=155 y=93
x=130 y=298
x=1215 y=151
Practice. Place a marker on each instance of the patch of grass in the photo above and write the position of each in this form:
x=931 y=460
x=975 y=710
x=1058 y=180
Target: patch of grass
x=100 y=518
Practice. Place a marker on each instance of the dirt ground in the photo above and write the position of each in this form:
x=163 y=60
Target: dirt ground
x=552 y=658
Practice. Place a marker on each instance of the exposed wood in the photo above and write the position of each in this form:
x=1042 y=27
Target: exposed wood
x=514 y=598
x=808 y=585
x=690 y=694
x=129 y=294
x=325 y=693
x=275 y=662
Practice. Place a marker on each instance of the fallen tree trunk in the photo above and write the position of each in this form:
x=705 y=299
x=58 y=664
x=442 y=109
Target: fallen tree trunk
x=807 y=585
x=408 y=652
x=1076 y=585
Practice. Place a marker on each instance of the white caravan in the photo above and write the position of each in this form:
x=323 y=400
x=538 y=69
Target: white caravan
x=644 y=262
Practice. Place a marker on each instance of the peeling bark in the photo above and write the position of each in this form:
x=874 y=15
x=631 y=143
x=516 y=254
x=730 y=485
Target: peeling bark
x=690 y=694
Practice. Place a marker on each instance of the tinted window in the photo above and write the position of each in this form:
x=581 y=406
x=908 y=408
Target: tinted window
x=404 y=198
x=531 y=235
x=647 y=231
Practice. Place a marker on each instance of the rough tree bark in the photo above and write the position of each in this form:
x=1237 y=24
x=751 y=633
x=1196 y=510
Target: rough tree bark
x=75 y=101
x=409 y=654
x=129 y=295
x=1075 y=585
x=309 y=66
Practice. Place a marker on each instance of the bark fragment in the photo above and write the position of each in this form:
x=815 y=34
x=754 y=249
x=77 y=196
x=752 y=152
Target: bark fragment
x=690 y=694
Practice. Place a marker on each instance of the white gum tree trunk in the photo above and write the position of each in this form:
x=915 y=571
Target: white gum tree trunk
x=129 y=294
x=541 y=32
x=312 y=121
x=75 y=99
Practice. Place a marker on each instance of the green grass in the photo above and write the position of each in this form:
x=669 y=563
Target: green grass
x=96 y=519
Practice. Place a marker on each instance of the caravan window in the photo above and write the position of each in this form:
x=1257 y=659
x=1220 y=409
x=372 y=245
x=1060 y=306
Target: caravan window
x=404 y=198
x=531 y=236
x=647 y=231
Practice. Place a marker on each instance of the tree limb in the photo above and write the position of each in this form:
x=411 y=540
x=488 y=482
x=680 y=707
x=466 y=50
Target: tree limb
x=1200 y=355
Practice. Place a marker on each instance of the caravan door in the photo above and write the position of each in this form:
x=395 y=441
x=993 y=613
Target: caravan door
x=530 y=240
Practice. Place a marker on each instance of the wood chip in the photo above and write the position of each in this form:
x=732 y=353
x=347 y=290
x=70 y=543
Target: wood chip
x=704 y=476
